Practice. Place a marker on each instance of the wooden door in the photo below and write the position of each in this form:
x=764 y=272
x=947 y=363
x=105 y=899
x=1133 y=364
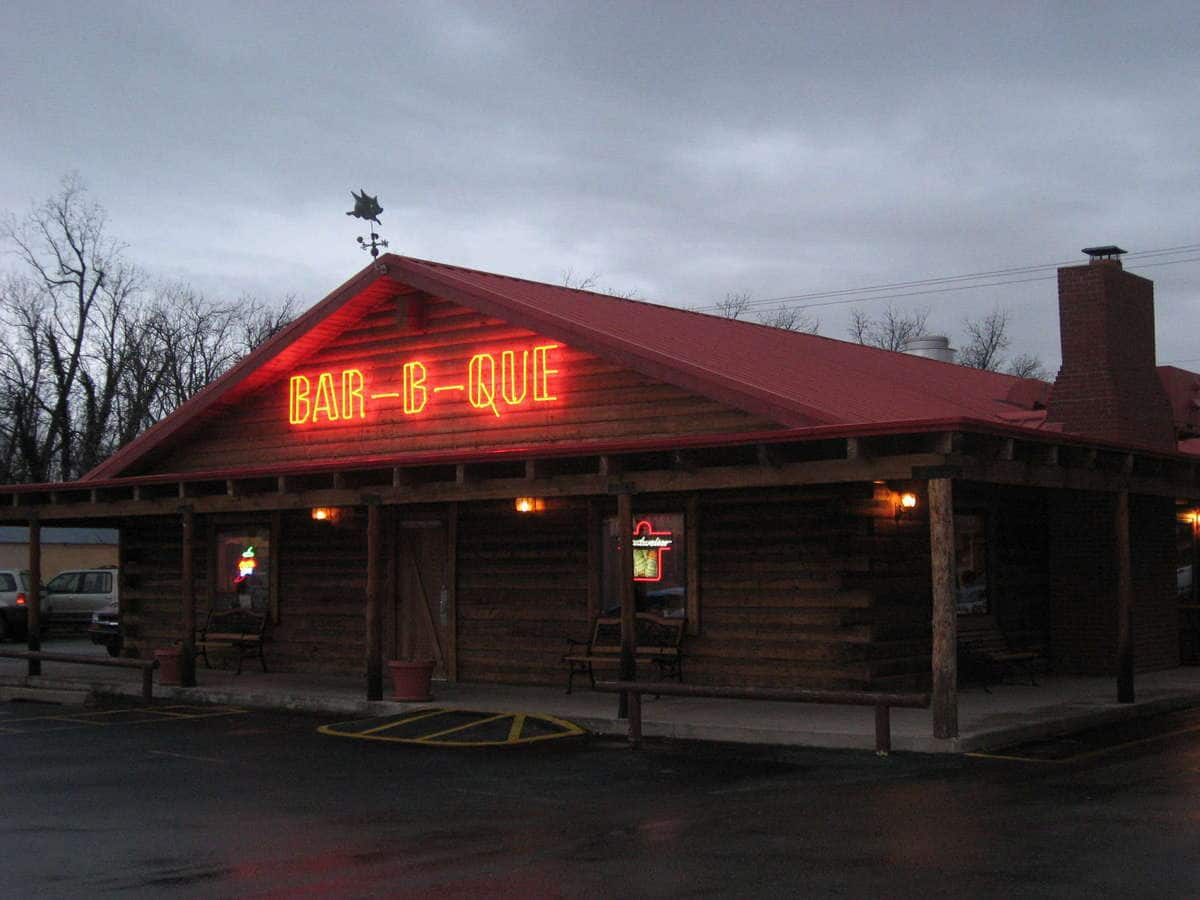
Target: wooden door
x=422 y=614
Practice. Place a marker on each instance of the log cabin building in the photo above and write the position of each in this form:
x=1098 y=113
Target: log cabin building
x=445 y=463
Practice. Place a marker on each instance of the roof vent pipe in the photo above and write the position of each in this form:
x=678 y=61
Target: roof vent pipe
x=930 y=346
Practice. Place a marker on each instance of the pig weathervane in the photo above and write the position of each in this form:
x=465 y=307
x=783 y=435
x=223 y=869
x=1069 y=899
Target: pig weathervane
x=367 y=208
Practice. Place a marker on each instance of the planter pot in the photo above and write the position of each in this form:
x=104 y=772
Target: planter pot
x=411 y=679
x=170 y=665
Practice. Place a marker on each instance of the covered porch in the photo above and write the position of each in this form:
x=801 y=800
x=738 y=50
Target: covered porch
x=894 y=569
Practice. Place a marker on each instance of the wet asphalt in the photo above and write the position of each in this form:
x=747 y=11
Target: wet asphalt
x=213 y=802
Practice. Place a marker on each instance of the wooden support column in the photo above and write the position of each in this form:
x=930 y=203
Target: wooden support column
x=945 y=614
x=452 y=593
x=187 y=598
x=628 y=669
x=595 y=560
x=373 y=618
x=692 y=527
x=276 y=564
x=1124 y=602
x=33 y=599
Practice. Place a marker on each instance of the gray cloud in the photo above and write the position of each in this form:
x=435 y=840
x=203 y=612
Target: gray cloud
x=681 y=150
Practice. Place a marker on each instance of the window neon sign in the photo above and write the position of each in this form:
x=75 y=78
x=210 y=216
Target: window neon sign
x=494 y=382
x=648 y=547
x=246 y=565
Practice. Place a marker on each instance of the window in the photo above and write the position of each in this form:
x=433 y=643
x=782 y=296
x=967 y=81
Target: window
x=971 y=569
x=65 y=583
x=96 y=583
x=7 y=582
x=659 y=564
x=243 y=568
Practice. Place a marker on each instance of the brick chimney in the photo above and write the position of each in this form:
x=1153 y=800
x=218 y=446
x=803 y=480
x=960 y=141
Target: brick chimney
x=1108 y=386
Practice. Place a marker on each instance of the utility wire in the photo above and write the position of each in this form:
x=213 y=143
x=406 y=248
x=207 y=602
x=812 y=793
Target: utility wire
x=859 y=295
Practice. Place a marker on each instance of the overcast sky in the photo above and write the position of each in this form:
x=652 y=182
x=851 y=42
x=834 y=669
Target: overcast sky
x=678 y=150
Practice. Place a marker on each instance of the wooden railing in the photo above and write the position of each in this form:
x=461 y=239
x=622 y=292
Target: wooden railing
x=146 y=665
x=882 y=701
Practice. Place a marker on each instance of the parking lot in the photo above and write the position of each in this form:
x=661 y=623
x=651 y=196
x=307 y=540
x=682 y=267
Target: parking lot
x=218 y=801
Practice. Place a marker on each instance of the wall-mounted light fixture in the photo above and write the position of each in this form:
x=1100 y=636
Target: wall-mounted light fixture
x=905 y=504
x=529 y=504
x=324 y=514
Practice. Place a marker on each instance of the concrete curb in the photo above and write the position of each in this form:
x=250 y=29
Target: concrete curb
x=1053 y=722
x=58 y=695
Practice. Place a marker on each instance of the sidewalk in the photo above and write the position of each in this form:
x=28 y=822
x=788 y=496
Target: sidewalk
x=1009 y=714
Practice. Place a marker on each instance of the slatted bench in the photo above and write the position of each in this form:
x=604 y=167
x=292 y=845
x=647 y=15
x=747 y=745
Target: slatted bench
x=986 y=656
x=239 y=631
x=657 y=640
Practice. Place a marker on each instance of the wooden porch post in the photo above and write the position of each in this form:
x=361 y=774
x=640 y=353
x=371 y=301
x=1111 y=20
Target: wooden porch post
x=628 y=670
x=945 y=619
x=1124 y=602
x=373 y=618
x=33 y=599
x=187 y=598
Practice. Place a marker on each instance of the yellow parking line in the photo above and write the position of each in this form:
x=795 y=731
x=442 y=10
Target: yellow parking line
x=518 y=726
x=438 y=734
x=387 y=725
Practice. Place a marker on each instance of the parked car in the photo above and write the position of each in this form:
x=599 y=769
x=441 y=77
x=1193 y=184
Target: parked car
x=105 y=629
x=14 y=588
x=70 y=598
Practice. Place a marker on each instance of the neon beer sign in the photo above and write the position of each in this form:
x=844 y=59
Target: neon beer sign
x=493 y=383
x=648 y=547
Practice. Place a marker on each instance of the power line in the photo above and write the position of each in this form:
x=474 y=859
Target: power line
x=858 y=295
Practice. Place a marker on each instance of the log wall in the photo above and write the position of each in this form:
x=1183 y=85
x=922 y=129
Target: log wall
x=804 y=587
x=522 y=590
x=594 y=400
x=322 y=580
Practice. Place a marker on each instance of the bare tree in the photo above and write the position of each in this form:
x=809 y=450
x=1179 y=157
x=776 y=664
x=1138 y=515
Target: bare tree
x=578 y=282
x=891 y=330
x=1026 y=365
x=791 y=318
x=260 y=321
x=89 y=357
x=78 y=285
x=734 y=305
x=987 y=339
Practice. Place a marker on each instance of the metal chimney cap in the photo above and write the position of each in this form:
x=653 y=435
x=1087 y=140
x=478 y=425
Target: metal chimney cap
x=1109 y=252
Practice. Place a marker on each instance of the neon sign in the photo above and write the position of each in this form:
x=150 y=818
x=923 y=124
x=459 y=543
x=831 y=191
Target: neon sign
x=493 y=383
x=648 y=547
x=246 y=565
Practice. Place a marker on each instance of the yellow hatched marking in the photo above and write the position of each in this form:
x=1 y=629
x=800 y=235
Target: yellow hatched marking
x=456 y=728
x=569 y=729
x=388 y=725
x=518 y=726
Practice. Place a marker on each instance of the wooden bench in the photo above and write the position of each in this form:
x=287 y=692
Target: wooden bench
x=657 y=641
x=986 y=656
x=240 y=631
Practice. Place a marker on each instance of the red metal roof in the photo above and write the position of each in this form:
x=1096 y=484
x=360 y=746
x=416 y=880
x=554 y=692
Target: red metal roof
x=798 y=380
x=805 y=379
